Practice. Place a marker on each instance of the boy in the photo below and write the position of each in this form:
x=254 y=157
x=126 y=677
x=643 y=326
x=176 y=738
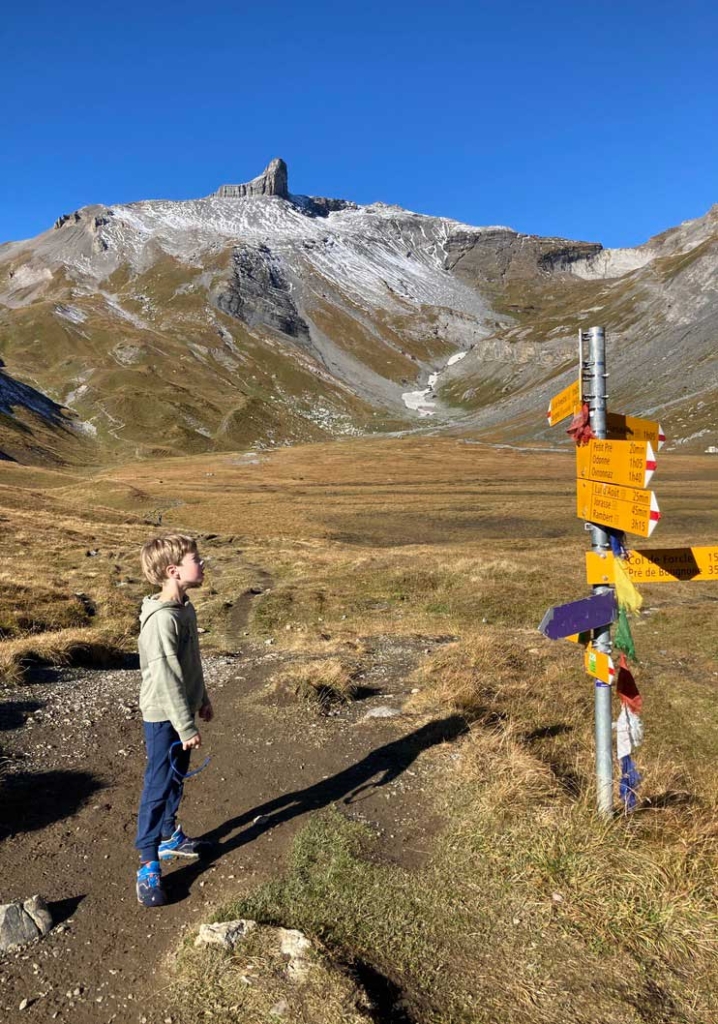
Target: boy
x=172 y=691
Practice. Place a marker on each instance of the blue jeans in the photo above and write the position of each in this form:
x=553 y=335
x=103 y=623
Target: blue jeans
x=162 y=790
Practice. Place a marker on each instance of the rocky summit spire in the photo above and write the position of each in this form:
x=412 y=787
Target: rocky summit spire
x=273 y=181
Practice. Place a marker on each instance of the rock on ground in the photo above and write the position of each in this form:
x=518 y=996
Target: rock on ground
x=224 y=933
x=24 y=922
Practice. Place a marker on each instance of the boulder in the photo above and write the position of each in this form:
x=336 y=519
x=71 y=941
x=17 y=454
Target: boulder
x=21 y=923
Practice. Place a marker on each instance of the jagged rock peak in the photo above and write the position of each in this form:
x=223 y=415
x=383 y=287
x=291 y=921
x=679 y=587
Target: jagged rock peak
x=273 y=181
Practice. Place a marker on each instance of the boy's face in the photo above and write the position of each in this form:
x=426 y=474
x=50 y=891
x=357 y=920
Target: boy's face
x=190 y=571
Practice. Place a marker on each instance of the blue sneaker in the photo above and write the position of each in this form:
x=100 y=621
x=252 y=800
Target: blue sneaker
x=149 y=885
x=179 y=845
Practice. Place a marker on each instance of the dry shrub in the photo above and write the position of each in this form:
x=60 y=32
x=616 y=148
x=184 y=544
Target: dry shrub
x=322 y=681
x=64 y=647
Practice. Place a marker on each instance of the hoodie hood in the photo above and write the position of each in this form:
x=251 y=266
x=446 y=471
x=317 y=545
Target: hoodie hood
x=150 y=607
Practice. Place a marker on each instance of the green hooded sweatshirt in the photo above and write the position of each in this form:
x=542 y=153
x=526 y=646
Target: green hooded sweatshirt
x=172 y=682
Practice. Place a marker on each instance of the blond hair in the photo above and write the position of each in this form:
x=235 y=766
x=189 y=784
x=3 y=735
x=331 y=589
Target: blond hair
x=159 y=553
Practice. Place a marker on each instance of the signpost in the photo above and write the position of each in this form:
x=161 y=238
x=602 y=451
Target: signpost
x=631 y=463
x=565 y=403
x=593 y=387
x=657 y=565
x=631 y=428
x=584 y=639
x=599 y=665
x=613 y=471
x=622 y=508
x=565 y=620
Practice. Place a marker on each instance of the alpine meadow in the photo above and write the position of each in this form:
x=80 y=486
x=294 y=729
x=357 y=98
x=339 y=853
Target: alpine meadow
x=346 y=406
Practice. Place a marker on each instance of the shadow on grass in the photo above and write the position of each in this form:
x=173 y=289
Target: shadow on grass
x=32 y=800
x=388 y=1004
x=546 y=732
x=570 y=781
x=377 y=769
x=664 y=801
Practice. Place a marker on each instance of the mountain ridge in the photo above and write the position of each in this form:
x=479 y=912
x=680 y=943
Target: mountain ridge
x=294 y=317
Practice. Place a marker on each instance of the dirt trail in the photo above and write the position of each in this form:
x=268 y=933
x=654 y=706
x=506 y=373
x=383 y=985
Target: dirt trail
x=67 y=816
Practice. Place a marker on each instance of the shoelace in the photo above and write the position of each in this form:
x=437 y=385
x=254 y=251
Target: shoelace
x=176 y=839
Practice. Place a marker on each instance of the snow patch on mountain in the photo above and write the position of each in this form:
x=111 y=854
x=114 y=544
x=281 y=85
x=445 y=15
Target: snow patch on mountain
x=456 y=358
x=423 y=402
x=74 y=396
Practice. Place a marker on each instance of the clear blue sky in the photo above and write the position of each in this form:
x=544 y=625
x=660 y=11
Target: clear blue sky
x=592 y=121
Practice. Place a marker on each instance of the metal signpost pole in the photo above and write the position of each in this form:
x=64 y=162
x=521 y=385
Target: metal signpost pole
x=593 y=391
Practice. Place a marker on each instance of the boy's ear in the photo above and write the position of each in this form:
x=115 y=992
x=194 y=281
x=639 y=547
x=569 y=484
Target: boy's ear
x=172 y=572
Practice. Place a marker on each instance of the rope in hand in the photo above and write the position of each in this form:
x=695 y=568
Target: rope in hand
x=187 y=775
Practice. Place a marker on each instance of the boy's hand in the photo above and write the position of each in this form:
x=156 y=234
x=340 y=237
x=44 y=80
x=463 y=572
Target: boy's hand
x=206 y=712
x=192 y=742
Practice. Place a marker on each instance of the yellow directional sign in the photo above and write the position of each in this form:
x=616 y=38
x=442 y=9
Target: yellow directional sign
x=565 y=403
x=631 y=428
x=630 y=463
x=599 y=665
x=658 y=565
x=623 y=508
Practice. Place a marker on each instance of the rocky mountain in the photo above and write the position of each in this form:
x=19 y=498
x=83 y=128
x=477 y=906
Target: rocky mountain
x=256 y=316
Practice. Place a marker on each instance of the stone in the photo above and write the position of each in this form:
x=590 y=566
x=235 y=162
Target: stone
x=292 y=942
x=297 y=947
x=224 y=933
x=39 y=911
x=21 y=923
x=383 y=711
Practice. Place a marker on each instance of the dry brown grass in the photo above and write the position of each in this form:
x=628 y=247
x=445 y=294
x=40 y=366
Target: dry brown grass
x=647 y=883
x=325 y=681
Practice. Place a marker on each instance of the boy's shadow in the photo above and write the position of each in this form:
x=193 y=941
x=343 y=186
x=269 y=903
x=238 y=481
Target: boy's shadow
x=390 y=760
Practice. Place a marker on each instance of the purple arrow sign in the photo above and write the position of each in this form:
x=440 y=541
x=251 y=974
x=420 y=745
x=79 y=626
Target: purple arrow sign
x=578 y=616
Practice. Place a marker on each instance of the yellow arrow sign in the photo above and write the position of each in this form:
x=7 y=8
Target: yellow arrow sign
x=631 y=428
x=659 y=565
x=565 y=403
x=631 y=463
x=599 y=665
x=623 y=508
